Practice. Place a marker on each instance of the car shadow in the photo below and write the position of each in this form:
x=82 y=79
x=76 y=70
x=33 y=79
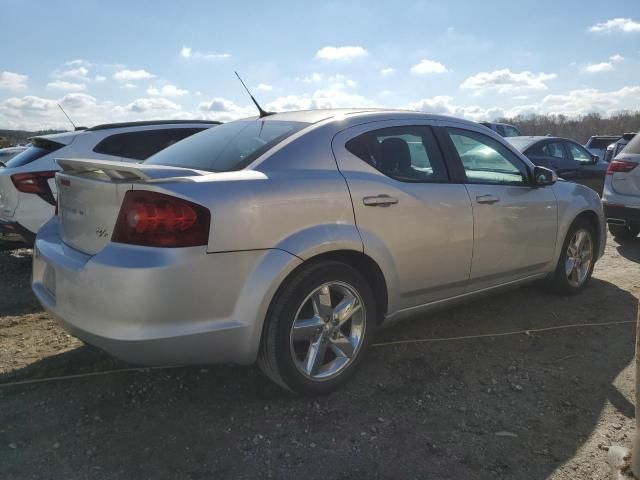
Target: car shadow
x=516 y=406
x=16 y=297
x=630 y=249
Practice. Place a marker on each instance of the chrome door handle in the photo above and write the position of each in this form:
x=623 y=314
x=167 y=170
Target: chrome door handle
x=488 y=198
x=380 y=201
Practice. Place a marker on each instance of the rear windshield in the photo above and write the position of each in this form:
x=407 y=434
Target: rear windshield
x=227 y=147
x=510 y=131
x=633 y=146
x=601 y=143
x=31 y=154
x=521 y=143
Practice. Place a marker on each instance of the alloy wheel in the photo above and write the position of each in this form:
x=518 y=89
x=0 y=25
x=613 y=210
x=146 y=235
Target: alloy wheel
x=328 y=331
x=579 y=257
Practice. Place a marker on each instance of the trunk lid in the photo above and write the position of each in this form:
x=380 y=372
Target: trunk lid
x=90 y=194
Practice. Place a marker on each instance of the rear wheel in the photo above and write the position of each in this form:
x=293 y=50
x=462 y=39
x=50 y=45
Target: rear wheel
x=624 y=232
x=318 y=328
x=576 y=261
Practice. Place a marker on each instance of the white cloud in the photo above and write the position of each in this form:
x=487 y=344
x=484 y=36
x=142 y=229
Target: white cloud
x=79 y=61
x=129 y=85
x=13 y=81
x=324 y=98
x=616 y=58
x=225 y=110
x=263 y=87
x=347 y=53
x=598 y=67
x=67 y=86
x=142 y=105
x=126 y=75
x=337 y=81
x=505 y=81
x=79 y=73
x=167 y=91
x=426 y=66
x=187 y=52
x=582 y=101
x=100 y=78
x=617 y=24
x=385 y=72
x=442 y=104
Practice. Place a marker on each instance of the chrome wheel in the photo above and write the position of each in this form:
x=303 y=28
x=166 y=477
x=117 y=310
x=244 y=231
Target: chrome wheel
x=579 y=257
x=328 y=331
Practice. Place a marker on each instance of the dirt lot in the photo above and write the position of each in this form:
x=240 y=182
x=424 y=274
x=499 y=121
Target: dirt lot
x=525 y=406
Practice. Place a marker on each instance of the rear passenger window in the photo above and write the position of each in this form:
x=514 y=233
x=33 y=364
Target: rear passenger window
x=141 y=145
x=407 y=154
x=553 y=149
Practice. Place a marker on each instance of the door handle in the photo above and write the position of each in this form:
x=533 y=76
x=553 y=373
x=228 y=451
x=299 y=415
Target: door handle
x=488 y=198
x=381 y=200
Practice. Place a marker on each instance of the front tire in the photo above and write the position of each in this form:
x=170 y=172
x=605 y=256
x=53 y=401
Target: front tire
x=624 y=232
x=576 y=261
x=318 y=328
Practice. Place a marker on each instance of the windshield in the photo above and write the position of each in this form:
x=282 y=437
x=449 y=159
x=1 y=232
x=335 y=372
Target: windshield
x=231 y=146
x=28 y=156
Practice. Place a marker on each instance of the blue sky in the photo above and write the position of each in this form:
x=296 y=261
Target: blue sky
x=112 y=61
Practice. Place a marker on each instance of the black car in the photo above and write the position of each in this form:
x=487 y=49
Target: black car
x=567 y=158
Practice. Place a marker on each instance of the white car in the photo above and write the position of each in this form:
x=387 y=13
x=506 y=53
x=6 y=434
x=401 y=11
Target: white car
x=621 y=196
x=27 y=186
x=7 y=154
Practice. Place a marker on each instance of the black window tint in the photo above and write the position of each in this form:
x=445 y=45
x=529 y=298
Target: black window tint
x=407 y=154
x=141 y=145
x=228 y=147
x=485 y=160
x=31 y=154
x=553 y=149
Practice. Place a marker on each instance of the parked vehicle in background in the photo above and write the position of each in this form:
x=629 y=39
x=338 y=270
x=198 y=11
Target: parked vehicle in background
x=570 y=160
x=289 y=239
x=616 y=147
x=8 y=153
x=502 y=129
x=621 y=198
x=27 y=186
x=597 y=144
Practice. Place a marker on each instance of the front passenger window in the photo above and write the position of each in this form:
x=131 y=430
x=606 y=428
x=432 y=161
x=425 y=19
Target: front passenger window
x=485 y=160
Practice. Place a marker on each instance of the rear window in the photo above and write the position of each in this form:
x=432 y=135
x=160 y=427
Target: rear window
x=520 y=143
x=601 y=143
x=31 y=154
x=510 y=131
x=633 y=146
x=228 y=147
x=142 y=144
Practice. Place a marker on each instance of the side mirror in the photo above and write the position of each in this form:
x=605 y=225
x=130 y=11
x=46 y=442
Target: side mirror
x=544 y=176
x=595 y=159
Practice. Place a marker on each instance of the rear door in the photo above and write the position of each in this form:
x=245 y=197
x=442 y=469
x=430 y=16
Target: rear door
x=411 y=217
x=515 y=223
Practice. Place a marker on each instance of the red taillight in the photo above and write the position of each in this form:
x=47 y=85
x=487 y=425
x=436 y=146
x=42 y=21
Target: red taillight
x=157 y=220
x=620 y=166
x=35 y=182
x=32 y=182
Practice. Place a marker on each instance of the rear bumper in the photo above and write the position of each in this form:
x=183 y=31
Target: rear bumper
x=621 y=214
x=155 y=306
x=14 y=233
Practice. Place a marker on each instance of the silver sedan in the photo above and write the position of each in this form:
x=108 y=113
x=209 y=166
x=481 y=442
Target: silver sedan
x=290 y=239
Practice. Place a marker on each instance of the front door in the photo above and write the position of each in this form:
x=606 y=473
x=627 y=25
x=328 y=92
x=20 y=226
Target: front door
x=515 y=223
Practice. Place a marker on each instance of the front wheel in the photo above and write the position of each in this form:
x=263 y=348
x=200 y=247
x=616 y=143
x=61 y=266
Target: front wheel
x=318 y=328
x=576 y=261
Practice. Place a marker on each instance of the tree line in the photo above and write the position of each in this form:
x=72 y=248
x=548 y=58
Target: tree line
x=577 y=128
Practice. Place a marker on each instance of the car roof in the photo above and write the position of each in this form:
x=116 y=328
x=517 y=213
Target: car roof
x=319 y=115
x=150 y=123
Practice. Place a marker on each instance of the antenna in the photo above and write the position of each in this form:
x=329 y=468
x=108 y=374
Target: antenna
x=65 y=114
x=263 y=113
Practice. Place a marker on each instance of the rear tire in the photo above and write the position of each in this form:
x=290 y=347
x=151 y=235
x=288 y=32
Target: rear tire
x=318 y=328
x=577 y=259
x=624 y=232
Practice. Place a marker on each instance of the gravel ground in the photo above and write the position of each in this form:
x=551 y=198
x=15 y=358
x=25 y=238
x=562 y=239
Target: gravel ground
x=525 y=406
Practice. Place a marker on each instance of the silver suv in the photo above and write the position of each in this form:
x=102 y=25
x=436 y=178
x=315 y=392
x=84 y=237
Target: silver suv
x=621 y=197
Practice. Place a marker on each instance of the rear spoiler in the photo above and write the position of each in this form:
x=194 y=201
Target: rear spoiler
x=125 y=170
